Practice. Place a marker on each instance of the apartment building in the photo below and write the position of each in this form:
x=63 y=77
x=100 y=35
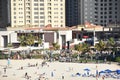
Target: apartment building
x=99 y=12
x=37 y=13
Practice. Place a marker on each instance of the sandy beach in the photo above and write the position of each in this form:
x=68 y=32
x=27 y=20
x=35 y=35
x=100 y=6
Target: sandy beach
x=50 y=71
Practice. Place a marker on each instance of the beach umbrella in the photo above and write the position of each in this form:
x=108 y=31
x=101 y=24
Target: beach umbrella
x=86 y=69
x=118 y=71
x=108 y=71
x=102 y=72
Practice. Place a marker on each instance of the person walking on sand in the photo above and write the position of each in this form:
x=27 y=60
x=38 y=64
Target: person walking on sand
x=4 y=70
x=52 y=74
x=8 y=61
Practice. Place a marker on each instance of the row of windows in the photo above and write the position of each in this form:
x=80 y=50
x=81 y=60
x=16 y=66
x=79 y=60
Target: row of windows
x=105 y=8
x=104 y=0
x=39 y=0
x=106 y=16
x=110 y=12
x=37 y=8
x=105 y=4
x=49 y=0
x=36 y=4
x=37 y=17
x=37 y=13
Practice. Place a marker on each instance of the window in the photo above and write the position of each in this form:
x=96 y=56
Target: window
x=115 y=12
x=42 y=0
x=101 y=21
x=101 y=12
x=41 y=4
x=116 y=4
x=105 y=16
x=14 y=8
x=61 y=8
x=105 y=8
x=35 y=12
x=101 y=8
x=105 y=4
x=41 y=8
x=101 y=17
x=96 y=8
x=110 y=4
x=41 y=17
x=110 y=8
x=41 y=12
x=42 y=21
x=14 y=21
x=14 y=4
x=49 y=4
x=36 y=21
x=36 y=17
x=110 y=16
x=105 y=12
x=110 y=12
x=35 y=4
x=14 y=12
x=14 y=17
x=115 y=8
x=35 y=8
x=96 y=4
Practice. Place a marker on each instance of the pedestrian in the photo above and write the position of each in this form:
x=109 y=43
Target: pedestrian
x=4 y=70
x=62 y=77
x=52 y=74
x=26 y=75
x=8 y=61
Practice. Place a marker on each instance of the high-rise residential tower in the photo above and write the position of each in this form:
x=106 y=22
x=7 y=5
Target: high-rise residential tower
x=99 y=12
x=4 y=13
x=37 y=13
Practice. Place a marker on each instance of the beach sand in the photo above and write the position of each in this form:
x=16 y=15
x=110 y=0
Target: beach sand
x=51 y=71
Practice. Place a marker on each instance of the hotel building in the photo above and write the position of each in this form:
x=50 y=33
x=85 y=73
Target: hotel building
x=37 y=13
x=99 y=12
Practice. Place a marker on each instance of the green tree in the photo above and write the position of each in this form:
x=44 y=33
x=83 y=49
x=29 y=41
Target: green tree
x=30 y=39
x=22 y=40
x=100 y=46
x=39 y=41
x=83 y=48
x=111 y=42
x=118 y=59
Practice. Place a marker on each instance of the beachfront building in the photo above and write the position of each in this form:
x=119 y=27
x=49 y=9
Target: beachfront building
x=98 y=12
x=37 y=13
x=48 y=35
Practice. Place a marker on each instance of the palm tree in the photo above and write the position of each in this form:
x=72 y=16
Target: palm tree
x=30 y=39
x=100 y=46
x=83 y=48
x=22 y=40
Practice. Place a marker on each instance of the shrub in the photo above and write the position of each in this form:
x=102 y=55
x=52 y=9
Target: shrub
x=118 y=59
